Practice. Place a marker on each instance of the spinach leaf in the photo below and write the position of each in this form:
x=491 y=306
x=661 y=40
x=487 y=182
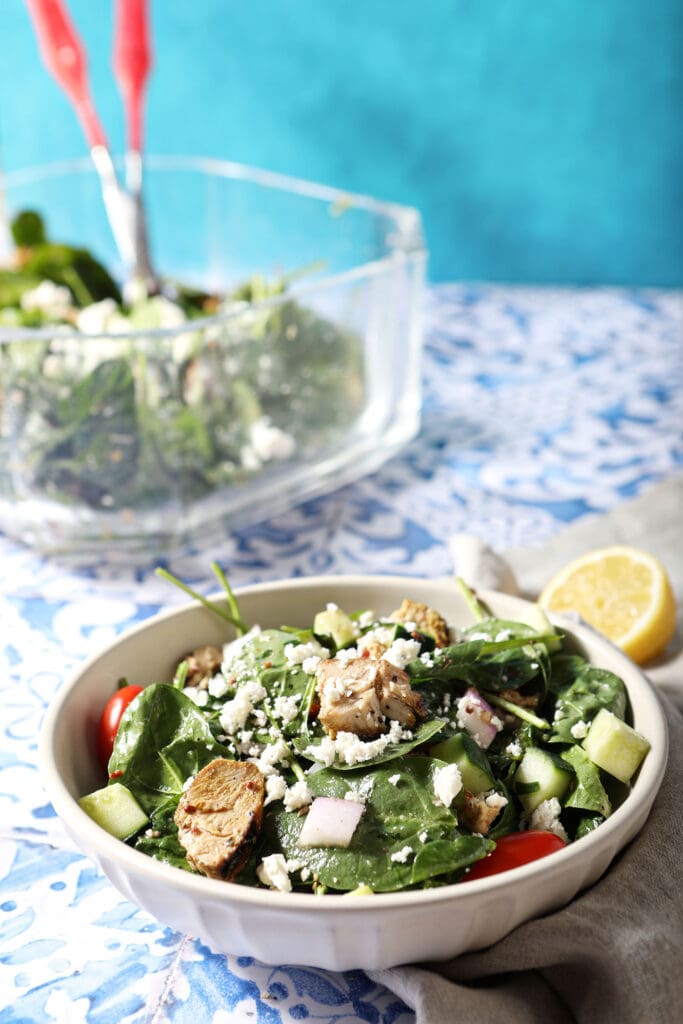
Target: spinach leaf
x=582 y=691
x=161 y=839
x=90 y=446
x=163 y=739
x=262 y=659
x=588 y=793
x=487 y=663
x=400 y=818
x=588 y=824
x=310 y=748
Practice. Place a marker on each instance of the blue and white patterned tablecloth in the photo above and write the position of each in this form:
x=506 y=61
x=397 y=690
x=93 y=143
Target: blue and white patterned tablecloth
x=541 y=406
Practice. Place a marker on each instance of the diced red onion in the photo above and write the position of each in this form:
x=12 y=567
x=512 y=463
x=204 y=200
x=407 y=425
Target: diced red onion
x=331 y=822
x=477 y=717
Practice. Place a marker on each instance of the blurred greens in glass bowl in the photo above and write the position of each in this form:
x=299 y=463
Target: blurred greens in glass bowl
x=280 y=358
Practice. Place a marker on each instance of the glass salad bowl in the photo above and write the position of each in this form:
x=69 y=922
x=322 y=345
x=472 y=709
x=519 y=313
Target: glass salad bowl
x=358 y=929
x=281 y=358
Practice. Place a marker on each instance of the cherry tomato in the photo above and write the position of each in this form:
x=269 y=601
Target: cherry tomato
x=109 y=722
x=514 y=850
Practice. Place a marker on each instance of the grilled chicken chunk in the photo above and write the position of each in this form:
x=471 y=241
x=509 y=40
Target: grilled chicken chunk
x=361 y=694
x=219 y=817
x=202 y=665
x=428 y=621
x=479 y=812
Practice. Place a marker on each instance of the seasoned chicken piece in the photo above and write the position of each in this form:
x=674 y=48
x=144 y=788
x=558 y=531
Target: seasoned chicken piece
x=219 y=817
x=480 y=810
x=361 y=694
x=202 y=665
x=515 y=697
x=425 y=618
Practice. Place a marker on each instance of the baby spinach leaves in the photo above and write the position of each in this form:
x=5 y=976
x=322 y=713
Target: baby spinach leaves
x=404 y=836
x=312 y=750
x=162 y=741
x=581 y=691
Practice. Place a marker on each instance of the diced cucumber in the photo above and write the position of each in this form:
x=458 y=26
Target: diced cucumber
x=614 y=746
x=471 y=760
x=335 y=623
x=540 y=776
x=115 y=809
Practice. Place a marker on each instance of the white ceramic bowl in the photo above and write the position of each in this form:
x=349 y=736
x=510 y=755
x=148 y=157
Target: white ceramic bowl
x=333 y=932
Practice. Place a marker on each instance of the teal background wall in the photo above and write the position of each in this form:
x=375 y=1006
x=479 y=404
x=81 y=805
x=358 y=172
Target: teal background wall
x=541 y=139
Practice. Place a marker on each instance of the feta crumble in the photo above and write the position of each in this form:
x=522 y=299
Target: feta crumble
x=276 y=787
x=546 y=818
x=401 y=856
x=447 y=783
x=272 y=871
x=298 y=795
x=402 y=652
x=579 y=730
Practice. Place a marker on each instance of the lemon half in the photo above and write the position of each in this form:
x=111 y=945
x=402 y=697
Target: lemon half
x=623 y=592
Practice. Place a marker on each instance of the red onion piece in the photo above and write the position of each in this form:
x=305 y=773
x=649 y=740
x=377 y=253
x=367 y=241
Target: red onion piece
x=331 y=822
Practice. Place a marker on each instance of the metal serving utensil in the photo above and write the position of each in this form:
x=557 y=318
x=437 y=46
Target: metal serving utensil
x=64 y=56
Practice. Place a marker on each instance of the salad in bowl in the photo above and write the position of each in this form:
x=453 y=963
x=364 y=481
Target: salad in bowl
x=366 y=753
x=391 y=748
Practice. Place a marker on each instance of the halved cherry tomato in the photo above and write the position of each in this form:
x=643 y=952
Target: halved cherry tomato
x=514 y=850
x=109 y=722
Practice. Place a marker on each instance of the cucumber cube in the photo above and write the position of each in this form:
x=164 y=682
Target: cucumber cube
x=614 y=746
x=541 y=776
x=335 y=623
x=115 y=809
x=471 y=761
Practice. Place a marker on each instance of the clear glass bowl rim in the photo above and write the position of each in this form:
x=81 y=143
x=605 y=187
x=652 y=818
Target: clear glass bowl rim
x=407 y=218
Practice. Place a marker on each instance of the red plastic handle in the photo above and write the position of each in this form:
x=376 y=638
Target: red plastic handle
x=132 y=60
x=65 y=59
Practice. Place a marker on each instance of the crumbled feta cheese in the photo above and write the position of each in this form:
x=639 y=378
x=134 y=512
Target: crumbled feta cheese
x=345 y=655
x=276 y=787
x=351 y=749
x=579 y=730
x=95 y=318
x=286 y=708
x=402 y=652
x=395 y=779
x=379 y=635
x=218 y=686
x=514 y=749
x=298 y=795
x=447 y=783
x=309 y=665
x=546 y=818
x=332 y=607
x=235 y=712
x=366 y=619
x=270 y=756
x=272 y=871
x=423 y=837
x=52 y=299
x=401 y=856
x=356 y=798
x=495 y=799
x=297 y=654
x=198 y=697
x=268 y=442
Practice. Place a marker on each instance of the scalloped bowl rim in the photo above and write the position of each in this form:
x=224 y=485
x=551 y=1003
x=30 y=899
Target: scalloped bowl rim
x=616 y=829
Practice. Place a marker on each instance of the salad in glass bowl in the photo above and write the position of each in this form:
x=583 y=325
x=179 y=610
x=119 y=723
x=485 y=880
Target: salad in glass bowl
x=276 y=360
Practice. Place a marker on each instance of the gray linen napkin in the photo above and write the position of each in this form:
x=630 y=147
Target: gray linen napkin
x=615 y=954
